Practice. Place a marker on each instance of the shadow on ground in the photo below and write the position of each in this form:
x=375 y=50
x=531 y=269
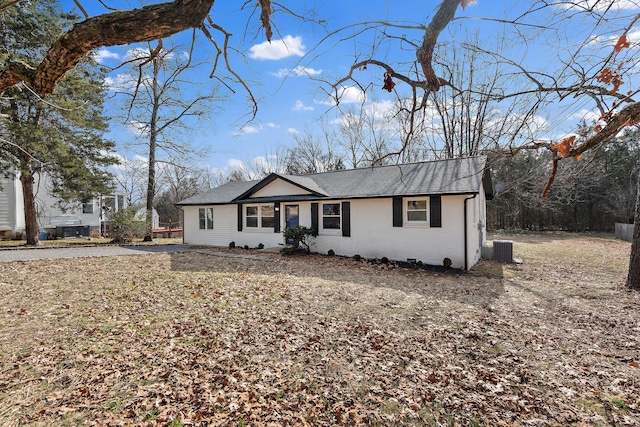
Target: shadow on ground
x=479 y=288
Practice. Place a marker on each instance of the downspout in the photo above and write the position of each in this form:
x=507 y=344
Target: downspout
x=466 y=260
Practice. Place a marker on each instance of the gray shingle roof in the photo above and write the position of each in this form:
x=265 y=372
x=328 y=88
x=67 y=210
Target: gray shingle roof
x=452 y=176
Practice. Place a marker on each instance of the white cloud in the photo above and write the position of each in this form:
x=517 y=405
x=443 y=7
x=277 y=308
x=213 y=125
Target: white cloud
x=251 y=129
x=301 y=107
x=136 y=53
x=126 y=163
x=633 y=36
x=137 y=128
x=380 y=110
x=235 y=164
x=599 y=5
x=278 y=49
x=261 y=162
x=588 y=116
x=345 y=95
x=297 y=72
x=255 y=129
x=293 y=131
x=248 y=129
x=121 y=82
x=103 y=54
x=540 y=122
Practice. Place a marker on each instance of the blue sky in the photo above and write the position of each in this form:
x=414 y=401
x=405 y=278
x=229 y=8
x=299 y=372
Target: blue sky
x=285 y=75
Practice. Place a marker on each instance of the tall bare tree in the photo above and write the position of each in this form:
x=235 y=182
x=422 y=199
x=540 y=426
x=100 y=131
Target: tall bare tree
x=160 y=108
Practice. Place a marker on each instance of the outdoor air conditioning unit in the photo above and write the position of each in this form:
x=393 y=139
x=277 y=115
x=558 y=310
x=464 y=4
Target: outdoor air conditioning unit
x=503 y=250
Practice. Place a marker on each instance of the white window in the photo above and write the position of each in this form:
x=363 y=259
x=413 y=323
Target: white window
x=331 y=216
x=267 y=216
x=205 y=216
x=260 y=217
x=252 y=216
x=416 y=211
x=87 y=208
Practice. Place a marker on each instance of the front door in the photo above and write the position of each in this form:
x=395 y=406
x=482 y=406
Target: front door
x=291 y=217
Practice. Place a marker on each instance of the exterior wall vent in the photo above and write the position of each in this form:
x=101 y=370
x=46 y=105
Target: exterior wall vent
x=503 y=250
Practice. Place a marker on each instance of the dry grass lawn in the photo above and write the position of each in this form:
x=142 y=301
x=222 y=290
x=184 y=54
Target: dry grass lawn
x=196 y=339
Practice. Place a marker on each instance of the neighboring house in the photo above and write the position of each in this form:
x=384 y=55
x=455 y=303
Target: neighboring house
x=425 y=211
x=78 y=219
x=11 y=207
x=141 y=215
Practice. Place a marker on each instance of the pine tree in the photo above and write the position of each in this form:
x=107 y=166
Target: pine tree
x=60 y=135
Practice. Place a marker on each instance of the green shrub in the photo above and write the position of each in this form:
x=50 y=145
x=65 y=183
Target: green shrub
x=331 y=252
x=384 y=260
x=232 y=245
x=299 y=237
x=446 y=262
x=125 y=226
x=357 y=258
x=260 y=246
x=246 y=247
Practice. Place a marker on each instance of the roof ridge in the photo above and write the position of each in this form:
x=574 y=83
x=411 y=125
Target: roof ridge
x=393 y=165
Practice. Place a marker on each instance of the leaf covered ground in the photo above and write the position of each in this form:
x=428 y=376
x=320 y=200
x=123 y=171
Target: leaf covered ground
x=198 y=340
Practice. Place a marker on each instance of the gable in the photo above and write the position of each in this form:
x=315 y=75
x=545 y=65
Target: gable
x=279 y=187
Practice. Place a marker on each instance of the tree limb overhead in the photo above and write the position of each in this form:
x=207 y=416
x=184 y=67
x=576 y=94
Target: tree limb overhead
x=117 y=28
x=424 y=54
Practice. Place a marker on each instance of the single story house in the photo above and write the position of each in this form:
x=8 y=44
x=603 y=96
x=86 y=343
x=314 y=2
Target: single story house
x=424 y=211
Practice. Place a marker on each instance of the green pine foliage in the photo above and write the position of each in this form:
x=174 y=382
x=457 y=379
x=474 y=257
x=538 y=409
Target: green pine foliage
x=62 y=134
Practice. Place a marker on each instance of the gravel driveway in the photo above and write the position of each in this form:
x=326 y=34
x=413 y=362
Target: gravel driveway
x=30 y=254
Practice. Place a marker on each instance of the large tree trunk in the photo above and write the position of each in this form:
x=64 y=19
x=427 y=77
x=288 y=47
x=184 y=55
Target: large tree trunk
x=151 y=188
x=633 y=279
x=153 y=141
x=30 y=214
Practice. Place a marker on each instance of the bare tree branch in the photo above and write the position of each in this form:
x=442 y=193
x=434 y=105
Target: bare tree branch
x=79 y=6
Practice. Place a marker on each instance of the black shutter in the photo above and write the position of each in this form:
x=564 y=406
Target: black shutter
x=435 y=207
x=239 y=217
x=276 y=217
x=397 y=211
x=314 y=218
x=346 y=219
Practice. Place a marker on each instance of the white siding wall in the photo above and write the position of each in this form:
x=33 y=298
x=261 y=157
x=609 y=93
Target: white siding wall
x=373 y=234
x=11 y=212
x=49 y=215
x=476 y=228
x=372 y=231
x=225 y=229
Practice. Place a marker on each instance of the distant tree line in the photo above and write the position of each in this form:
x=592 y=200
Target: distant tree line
x=588 y=195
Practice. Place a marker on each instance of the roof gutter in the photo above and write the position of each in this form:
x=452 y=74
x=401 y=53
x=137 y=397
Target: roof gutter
x=466 y=255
